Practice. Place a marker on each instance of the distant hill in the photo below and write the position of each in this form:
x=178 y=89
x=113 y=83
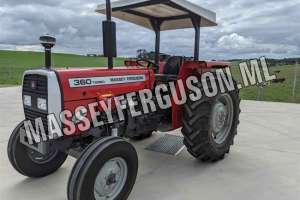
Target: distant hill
x=271 y=61
x=24 y=59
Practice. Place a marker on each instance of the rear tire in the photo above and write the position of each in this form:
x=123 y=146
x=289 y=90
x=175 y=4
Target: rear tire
x=31 y=163
x=107 y=169
x=198 y=129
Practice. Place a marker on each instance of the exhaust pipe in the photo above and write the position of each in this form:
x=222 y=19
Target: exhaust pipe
x=48 y=43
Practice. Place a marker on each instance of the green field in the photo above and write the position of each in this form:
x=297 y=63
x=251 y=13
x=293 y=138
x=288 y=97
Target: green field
x=13 y=64
x=277 y=92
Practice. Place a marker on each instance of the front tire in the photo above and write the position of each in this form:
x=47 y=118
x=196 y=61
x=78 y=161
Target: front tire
x=204 y=121
x=107 y=169
x=29 y=162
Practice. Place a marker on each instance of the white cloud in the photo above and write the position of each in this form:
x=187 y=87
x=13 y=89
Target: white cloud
x=235 y=41
x=68 y=30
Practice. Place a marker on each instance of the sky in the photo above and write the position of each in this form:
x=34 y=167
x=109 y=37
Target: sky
x=246 y=29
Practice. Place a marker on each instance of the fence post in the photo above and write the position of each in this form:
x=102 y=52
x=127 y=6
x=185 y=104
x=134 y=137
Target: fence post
x=295 y=79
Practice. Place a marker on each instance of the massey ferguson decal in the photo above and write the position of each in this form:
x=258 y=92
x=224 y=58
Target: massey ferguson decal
x=109 y=80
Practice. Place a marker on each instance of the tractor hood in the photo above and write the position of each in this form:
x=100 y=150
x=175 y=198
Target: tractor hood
x=78 y=84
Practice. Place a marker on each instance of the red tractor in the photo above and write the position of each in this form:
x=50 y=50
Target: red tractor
x=107 y=163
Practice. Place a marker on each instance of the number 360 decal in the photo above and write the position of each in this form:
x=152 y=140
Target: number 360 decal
x=82 y=82
x=108 y=80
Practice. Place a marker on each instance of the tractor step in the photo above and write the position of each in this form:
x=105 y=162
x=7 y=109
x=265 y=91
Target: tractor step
x=168 y=144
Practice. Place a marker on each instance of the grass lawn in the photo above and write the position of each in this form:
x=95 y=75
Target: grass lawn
x=14 y=63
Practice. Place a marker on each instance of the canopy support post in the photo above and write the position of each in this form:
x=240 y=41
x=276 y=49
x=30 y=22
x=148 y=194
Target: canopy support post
x=197 y=23
x=156 y=24
x=110 y=59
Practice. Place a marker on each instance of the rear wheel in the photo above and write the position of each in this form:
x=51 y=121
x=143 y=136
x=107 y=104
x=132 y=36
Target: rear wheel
x=106 y=170
x=210 y=125
x=29 y=162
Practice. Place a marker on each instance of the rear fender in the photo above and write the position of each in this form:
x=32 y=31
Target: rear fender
x=187 y=69
x=206 y=65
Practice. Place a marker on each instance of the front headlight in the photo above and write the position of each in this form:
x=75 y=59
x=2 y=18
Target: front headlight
x=42 y=104
x=27 y=100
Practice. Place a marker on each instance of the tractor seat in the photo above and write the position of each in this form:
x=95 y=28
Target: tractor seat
x=171 y=69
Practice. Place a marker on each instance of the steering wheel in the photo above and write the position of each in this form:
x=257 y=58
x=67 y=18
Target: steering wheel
x=150 y=64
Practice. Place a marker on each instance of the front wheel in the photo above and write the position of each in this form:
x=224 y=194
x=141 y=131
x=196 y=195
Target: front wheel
x=210 y=125
x=29 y=162
x=107 y=169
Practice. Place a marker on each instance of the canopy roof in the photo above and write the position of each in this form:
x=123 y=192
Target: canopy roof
x=174 y=14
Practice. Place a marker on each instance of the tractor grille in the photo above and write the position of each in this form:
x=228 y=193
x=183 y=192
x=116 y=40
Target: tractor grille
x=32 y=115
x=35 y=86
x=40 y=86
